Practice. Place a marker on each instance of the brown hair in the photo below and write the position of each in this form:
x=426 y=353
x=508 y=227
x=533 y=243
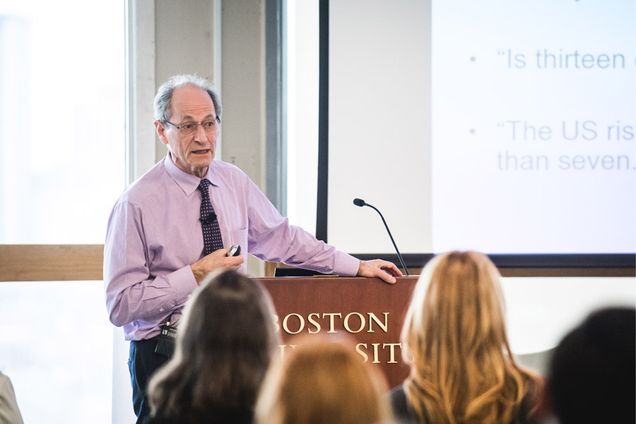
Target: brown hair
x=224 y=346
x=323 y=380
x=454 y=338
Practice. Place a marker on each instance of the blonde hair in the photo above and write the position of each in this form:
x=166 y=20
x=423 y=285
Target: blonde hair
x=323 y=380
x=454 y=338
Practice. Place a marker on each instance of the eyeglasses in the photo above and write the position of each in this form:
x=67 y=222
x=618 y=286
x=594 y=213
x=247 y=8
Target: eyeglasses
x=189 y=128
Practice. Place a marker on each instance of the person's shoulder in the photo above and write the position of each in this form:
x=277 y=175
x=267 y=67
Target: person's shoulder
x=221 y=415
x=397 y=394
x=399 y=403
x=228 y=173
x=529 y=410
x=401 y=409
x=145 y=185
x=161 y=420
x=153 y=176
x=213 y=414
x=4 y=381
x=226 y=168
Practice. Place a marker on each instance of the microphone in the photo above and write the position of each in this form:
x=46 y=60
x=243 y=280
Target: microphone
x=361 y=203
x=208 y=219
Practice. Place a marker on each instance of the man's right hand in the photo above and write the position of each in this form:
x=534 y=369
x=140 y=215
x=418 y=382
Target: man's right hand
x=214 y=260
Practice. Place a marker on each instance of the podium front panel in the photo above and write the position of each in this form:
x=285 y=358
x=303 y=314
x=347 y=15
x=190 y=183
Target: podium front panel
x=367 y=309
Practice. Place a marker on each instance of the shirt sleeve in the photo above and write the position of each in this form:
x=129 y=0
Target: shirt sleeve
x=133 y=291
x=272 y=238
x=9 y=411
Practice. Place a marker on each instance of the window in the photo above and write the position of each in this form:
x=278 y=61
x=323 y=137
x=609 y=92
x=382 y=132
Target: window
x=62 y=150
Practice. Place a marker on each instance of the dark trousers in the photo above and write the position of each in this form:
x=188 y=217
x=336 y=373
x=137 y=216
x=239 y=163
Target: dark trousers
x=142 y=364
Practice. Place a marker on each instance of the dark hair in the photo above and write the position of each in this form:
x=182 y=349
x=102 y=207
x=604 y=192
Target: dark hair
x=591 y=373
x=224 y=346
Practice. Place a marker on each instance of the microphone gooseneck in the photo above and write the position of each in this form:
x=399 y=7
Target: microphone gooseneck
x=361 y=203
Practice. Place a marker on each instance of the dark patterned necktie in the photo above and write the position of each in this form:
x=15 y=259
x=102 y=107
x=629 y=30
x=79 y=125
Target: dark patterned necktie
x=209 y=224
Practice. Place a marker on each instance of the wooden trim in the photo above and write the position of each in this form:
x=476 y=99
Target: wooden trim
x=80 y=262
x=567 y=272
x=270 y=268
x=44 y=262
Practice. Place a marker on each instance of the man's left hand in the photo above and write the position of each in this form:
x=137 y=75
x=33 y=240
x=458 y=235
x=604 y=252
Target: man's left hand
x=385 y=270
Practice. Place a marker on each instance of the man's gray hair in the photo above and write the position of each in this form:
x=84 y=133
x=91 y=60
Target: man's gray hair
x=163 y=98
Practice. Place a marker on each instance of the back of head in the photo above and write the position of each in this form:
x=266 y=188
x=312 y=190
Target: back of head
x=323 y=380
x=455 y=340
x=224 y=345
x=592 y=374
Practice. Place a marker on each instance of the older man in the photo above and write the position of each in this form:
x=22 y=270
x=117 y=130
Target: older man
x=175 y=224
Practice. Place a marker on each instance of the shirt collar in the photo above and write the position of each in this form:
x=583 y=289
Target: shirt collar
x=188 y=182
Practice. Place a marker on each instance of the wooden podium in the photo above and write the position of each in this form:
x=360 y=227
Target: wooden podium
x=366 y=309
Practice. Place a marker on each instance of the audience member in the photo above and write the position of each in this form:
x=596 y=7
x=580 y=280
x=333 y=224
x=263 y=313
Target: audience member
x=9 y=411
x=454 y=339
x=591 y=373
x=223 y=349
x=323 y=381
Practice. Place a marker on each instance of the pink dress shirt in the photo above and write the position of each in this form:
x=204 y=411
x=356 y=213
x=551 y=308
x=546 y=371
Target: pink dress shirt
x=154 y=234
